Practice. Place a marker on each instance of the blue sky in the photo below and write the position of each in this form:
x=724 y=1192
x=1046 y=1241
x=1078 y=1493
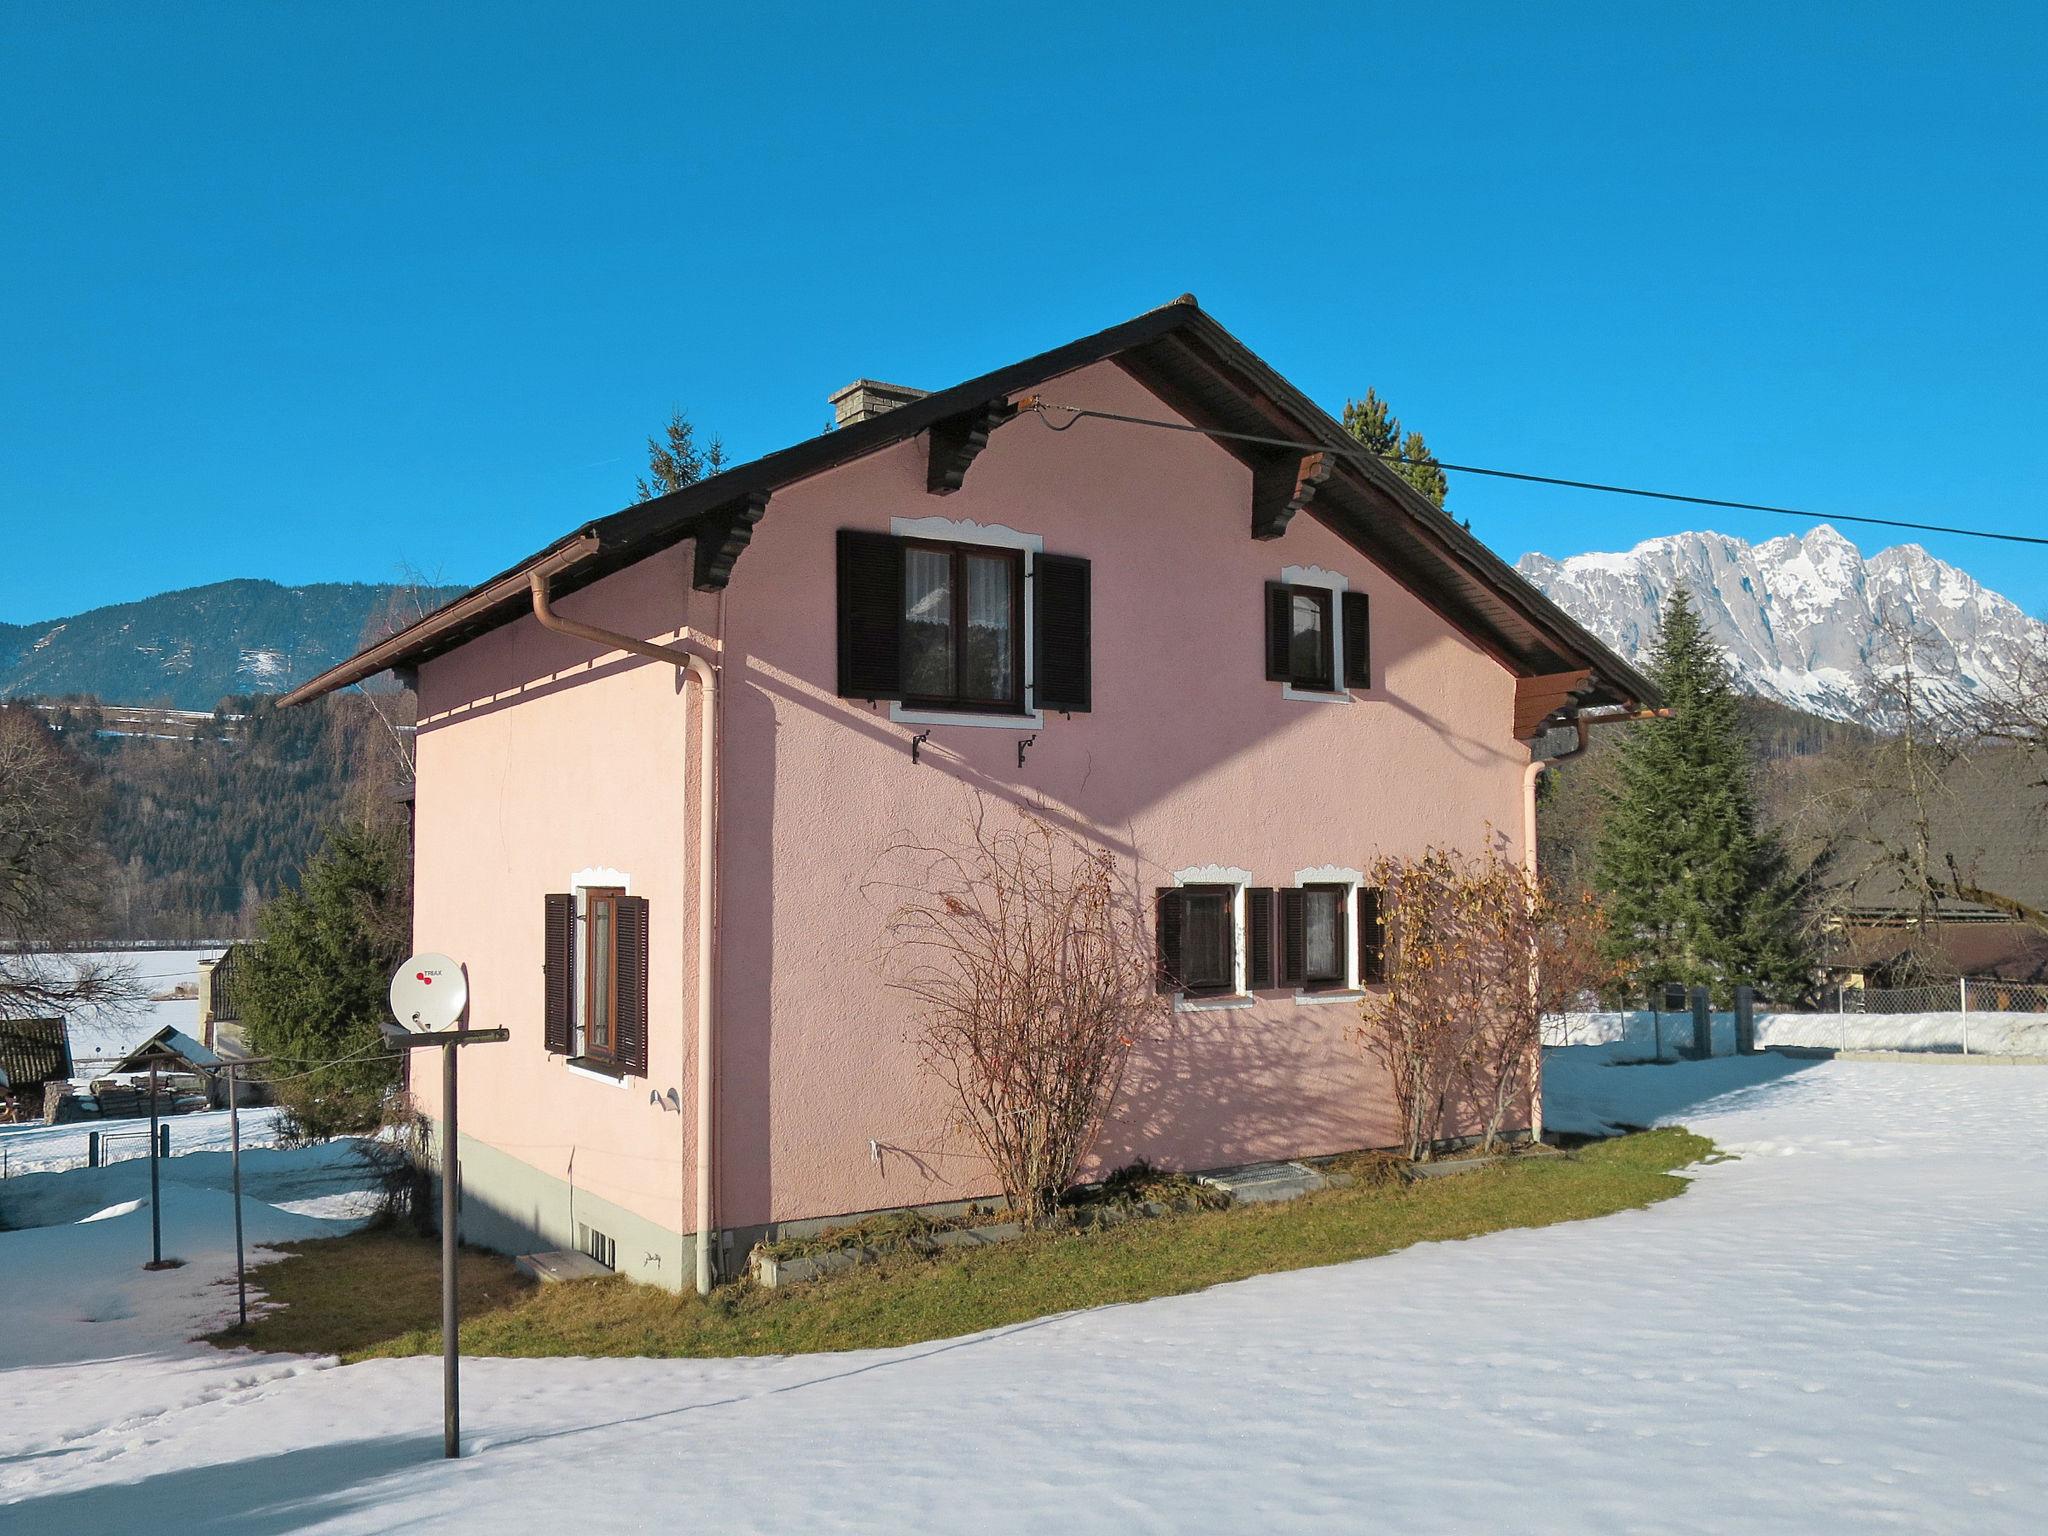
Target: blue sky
x=319 y=291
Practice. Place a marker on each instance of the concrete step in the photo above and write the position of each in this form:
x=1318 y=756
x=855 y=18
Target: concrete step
x=550 y=1268
x=1256 y=1183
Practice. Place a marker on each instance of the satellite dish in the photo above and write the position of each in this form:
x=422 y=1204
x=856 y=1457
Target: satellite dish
x=429 y=993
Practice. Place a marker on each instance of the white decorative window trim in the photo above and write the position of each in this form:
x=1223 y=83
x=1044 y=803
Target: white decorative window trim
x=965 y=530
x=1337 y=584
x=600 y=877
x=598 y=1077
x=1239 y=995
x=1354 y=984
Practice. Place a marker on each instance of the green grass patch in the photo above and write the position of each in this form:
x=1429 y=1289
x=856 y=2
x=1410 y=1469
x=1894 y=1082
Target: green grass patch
x=373 y=1295
x=345 y=1295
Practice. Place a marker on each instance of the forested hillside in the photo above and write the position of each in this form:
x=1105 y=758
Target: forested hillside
x=202 y=824
x=190 y=648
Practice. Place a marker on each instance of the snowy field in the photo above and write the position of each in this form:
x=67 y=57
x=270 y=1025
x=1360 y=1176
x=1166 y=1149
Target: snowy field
x=37 y=1147
x=1843 y=1329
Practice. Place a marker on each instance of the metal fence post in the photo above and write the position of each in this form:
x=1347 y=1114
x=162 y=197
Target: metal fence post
x=92 y=1149
x=1702 y=1024
x=156 y=1204
x=235 y=1163
x=1745 y=1019
x=1963 y=985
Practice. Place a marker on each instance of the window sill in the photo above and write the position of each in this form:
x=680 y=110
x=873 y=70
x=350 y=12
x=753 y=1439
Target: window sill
x=598 y=1071
x=1315 y=695
x=1336 y=995
x=1211 y=1002
x=910 y=715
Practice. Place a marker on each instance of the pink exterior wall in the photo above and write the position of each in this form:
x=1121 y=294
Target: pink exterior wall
x=533 y=766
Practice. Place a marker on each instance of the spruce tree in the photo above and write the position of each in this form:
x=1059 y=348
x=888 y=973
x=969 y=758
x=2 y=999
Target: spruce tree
x=313 y=987
x=1697 y=891
x=674 y=460
x=1373 y=422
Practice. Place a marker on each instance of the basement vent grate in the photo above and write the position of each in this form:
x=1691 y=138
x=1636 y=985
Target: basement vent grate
x=598 y=1246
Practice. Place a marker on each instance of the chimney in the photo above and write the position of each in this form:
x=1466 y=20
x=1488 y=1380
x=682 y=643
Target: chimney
x=864 y=399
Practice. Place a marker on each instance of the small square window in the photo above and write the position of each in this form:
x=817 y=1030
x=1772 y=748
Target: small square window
x=1301 y=636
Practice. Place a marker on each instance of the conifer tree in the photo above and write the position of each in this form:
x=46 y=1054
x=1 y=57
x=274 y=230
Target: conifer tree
x=313 y=987
x=674 y=460
x=1696 y=890
x=1373 y=422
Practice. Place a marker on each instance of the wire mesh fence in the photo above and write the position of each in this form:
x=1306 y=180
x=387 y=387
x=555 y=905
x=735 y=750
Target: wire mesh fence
x=1973 y=994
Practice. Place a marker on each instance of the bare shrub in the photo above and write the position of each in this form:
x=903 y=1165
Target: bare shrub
x=1420 y=1028
x=1032 y=966
x=1477 y=953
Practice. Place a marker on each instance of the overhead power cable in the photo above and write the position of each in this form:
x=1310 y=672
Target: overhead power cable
x=1077 y=413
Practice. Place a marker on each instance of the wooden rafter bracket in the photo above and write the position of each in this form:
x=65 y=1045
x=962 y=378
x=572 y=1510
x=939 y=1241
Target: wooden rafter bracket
x=958 y=440
x=1282 y=485
x=1538 y=698
x=724 y=532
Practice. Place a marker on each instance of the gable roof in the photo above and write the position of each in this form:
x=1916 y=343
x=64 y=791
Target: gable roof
x=171 y=1041
x=1181 y=354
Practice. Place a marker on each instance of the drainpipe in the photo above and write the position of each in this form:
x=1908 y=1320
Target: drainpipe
x=697 y=668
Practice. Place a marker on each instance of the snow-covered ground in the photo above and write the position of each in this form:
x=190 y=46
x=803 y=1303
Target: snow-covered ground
x=38 y=1147
x=1986 y=1034
x=1843 y=1329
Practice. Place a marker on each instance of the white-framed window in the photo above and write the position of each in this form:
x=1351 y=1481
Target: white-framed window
x=980 y=629
x=1318 y=634
x=1202 y=936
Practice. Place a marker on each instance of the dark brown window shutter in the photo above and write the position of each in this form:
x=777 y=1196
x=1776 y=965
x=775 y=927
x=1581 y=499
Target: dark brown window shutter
x=870 y=615
x=1279 y=630
x=1293 y=937
x=631 y=967
x=1258 y=920
x=1372 y=935
x=558 y=975
x=1357 y=640
x=1062 y=638
x=1167 y=913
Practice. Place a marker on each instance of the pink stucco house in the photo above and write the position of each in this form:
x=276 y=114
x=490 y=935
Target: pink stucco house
x=660 y=760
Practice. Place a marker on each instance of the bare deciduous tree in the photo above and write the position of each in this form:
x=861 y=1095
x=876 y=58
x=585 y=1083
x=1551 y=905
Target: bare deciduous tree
x=1902 y=805
x=1030 y=961
x=53 y=875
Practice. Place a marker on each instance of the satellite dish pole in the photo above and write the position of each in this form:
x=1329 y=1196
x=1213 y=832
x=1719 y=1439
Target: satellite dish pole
x=429 y=996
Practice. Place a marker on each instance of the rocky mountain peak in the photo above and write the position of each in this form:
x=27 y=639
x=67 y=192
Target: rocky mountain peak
x=1805 y=618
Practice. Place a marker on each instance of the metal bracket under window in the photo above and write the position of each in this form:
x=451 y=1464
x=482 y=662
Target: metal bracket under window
x=1024 y=743
x=917 y=742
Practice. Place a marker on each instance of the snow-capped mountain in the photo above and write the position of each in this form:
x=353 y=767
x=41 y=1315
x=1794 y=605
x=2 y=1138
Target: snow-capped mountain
x=1804 y=619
